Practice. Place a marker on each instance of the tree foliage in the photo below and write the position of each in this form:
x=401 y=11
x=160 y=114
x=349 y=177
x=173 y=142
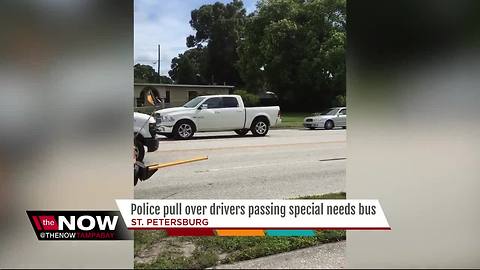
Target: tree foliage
x=189 y=67
x=218 y=28
x=249 y=99
x=146 y=74
x=296 y=48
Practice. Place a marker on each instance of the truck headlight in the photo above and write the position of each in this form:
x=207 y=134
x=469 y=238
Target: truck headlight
x=168 y=118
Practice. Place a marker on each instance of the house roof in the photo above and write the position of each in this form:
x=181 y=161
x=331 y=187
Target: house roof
x=184 y=85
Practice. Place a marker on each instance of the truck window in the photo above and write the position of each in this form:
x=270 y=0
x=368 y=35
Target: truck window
x=230 y=102
x=213 y=103
x=194 y=102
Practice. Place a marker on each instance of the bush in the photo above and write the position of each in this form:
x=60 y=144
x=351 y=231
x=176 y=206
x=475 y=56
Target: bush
x=340 y=101
x=249 y=99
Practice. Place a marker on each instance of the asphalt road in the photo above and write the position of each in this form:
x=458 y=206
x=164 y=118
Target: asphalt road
x=286 y=163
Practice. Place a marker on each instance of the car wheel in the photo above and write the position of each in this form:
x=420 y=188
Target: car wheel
x=139 y=150
x=183 y=130
x=329 y=124
x=259 y=127
x=241 y=132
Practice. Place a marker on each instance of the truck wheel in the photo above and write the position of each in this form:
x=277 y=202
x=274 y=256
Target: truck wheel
x=241 y=132
x=139 y=150
x=259 y=127
x=183 y=130
x=329 y=124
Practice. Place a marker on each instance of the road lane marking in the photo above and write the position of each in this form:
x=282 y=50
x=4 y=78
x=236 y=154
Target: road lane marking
x=264 y=165
x=248 y=146
x=332 y=159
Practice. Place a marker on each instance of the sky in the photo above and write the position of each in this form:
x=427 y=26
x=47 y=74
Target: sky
x=166 y=22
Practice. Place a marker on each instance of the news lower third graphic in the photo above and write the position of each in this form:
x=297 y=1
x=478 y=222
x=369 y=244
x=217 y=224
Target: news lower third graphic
x=210 y=218
x=79 y=225
x=252 y=217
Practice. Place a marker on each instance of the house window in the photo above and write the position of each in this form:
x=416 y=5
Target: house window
x=192 y=95
x=167 y=96
x=140 y=102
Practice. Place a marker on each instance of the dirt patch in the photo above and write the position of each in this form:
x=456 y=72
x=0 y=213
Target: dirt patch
x=187 y=248
x=149 y=255
x=222 y=256
x=172 y=245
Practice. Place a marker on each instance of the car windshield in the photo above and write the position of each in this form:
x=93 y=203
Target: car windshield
x=331 y=111
x=194 y=102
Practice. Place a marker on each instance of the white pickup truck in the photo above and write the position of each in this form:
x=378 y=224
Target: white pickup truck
x=216 y=113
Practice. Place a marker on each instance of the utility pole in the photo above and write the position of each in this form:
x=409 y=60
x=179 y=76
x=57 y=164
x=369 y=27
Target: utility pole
x=158 y=64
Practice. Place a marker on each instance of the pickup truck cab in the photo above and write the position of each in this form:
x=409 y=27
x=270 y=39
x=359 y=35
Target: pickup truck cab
x=144 y=134
x=216 y=113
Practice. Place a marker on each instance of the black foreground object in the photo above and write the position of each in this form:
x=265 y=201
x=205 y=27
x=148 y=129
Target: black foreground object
x=142 y=172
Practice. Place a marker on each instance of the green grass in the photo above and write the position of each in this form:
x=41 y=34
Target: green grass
x=292 y=119
x=245 y=248
x=145 y=239
x=328 y=196
x=214 y=250
x=174 y=260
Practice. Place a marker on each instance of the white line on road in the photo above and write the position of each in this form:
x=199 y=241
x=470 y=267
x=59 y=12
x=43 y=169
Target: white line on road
x=267 y=165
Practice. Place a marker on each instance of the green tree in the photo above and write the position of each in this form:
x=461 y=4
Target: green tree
x=340 y=101
x=296 y=49
x=146 y=74
x=218 y=27
x=189 y=67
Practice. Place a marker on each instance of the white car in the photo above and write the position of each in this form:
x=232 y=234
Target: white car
x=216 y=113
x=144 y=134
x=328 y=119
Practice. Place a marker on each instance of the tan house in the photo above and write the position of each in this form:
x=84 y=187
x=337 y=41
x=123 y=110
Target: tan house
x=173 y=95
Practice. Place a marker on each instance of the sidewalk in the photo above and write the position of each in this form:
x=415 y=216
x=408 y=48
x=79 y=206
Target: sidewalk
x=324 y=256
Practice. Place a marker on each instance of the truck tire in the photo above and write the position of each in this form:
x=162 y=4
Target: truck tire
x=241 y=132
x=259 y=127
x=183 y=130
x=139 y=150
